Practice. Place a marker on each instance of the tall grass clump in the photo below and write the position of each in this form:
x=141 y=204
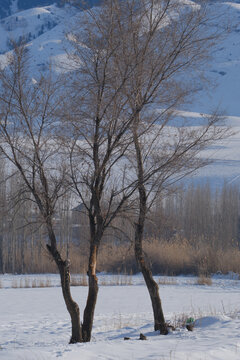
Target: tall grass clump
x=166 y=257
x=15 y=284
x=181 y=257
x=79 y=280
x=204 y=280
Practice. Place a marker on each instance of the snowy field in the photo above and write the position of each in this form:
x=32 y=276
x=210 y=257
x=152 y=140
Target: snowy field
x=34 y=324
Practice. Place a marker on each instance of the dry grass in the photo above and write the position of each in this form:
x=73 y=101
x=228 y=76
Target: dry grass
x=180 y=257
x=204 y=280
x=179 y=321
x=15 y=284
x=31 y=283
x=166 y=281
x=48 y=283
x=41 y=283
x=170 y=258
x=118 y=280
x=79 y=280
x=165 y=257
x=76 y=280
x=27 y=283
x=34 y=283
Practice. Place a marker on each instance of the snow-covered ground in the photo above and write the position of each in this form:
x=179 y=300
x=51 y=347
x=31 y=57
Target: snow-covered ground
x=34 y=324
x=45 y=29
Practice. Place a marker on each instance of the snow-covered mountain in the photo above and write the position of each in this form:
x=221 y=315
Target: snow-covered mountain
x=29 y=24
x=44 y=28
x=10 y=7
x=30 y=19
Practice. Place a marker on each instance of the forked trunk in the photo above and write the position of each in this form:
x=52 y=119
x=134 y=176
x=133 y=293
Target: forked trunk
x=92 y=295
x=72 y=306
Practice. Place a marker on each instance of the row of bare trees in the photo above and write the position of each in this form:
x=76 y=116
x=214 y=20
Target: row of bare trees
x=201 y=214
x=104 y=129
x=198 y=214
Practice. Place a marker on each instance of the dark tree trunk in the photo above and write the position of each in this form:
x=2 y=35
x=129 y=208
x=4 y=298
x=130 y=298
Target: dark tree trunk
x=92 y=295
x=153 y=289
x=159 y=321
x=72 y=306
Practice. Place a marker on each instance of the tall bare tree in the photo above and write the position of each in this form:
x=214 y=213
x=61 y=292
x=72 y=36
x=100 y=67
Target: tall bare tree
x=30 y=145
x=96 y=116
x=137 y=61
x=168 y=42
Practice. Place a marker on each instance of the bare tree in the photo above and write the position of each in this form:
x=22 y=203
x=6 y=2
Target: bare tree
x=96 y=116
x=137 y=62
x=30 y=145
x=168 y=42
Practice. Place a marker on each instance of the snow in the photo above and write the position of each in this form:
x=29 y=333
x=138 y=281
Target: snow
x=222 y=72
x=32 y=24
x=35 y=324
x=14 y=6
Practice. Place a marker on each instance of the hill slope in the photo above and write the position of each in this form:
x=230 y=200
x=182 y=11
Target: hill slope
x=44 y=29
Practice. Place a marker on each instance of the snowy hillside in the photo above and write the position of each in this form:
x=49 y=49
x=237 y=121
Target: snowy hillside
x=44 y=29
x=10 y=7
x=223 y=73
x=30 y=24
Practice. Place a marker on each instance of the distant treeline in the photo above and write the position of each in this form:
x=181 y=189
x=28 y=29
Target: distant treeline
x=191 y=230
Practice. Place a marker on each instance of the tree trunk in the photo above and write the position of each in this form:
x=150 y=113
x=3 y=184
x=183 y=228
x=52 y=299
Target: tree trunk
x=72 y=306
x=159 y=321
x=153 y=289
x=92 y=294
